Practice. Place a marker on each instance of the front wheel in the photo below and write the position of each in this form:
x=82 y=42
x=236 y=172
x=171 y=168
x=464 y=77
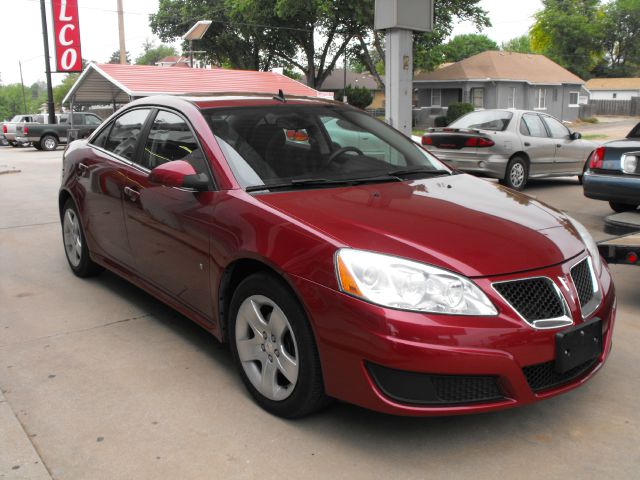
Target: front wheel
x=517 y=174
x=75 y=246
x=622 y=207
x=274 y=348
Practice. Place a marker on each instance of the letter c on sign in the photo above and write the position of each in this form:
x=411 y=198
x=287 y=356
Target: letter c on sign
x=62 y=38
x=68 y=59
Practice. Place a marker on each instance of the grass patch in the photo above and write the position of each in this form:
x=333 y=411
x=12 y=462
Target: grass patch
x=589 y=120
x=594 y=136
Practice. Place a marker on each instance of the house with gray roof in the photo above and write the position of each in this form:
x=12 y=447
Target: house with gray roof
x=495 y=79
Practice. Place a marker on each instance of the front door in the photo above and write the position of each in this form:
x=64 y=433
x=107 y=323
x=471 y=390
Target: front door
x=169 y=228
x=569 y=156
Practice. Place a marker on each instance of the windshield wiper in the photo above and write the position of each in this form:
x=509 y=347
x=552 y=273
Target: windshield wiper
x=420 y=171
x=314 y=182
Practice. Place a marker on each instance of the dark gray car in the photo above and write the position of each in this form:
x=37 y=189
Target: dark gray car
x=614 y=173
x=510 y=145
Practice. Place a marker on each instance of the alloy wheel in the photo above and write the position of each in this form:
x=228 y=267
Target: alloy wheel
x=72 y=237
x=267 y=347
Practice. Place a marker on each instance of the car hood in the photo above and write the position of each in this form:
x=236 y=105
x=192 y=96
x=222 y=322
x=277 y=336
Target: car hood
x=461 y=223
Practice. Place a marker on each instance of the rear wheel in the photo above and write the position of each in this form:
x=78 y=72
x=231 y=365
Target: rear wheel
x=517 y=173
x=622 y=207
x=75 y=246
x=49 y=143
x=274 y=348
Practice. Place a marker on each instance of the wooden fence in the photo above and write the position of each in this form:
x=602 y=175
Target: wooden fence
x=622 y=108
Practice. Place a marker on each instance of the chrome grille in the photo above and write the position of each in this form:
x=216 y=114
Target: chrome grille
x=536 y=300
x=581 y=276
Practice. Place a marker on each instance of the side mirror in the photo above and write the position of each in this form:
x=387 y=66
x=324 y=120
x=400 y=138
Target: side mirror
x=575 y=136
x=179 y=174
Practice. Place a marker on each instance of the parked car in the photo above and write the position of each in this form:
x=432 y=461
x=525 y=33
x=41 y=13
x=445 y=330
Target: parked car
x=47 y=136
x=614 y=173
x=3 y=140
x=510 y=145
x=394 y=283
x=9 y=129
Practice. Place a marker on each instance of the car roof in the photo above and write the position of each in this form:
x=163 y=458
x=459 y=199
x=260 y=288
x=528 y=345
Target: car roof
x=226 y=100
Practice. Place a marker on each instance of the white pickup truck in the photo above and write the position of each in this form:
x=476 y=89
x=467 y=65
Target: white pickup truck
x=9 y=129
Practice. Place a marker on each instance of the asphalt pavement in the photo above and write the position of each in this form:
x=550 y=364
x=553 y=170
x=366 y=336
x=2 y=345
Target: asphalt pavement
x=101 y=381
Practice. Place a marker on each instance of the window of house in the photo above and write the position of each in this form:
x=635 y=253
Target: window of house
x=573 y=99
x=555 y=94
x=436 y=97
x=615 y=95
x=541 y=99
x=511 y=99
x=477 y=97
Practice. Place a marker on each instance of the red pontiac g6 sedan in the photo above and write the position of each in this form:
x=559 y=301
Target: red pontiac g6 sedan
x=338 y=258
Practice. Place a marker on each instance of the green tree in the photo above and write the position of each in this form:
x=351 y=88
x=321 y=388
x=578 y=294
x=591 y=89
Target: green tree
x=468 y=45
x=620 y=24
x=12 y=101
x=521 y=44
x=152 y=54
x=60 y=91
x=115 y=57
x=569 y=33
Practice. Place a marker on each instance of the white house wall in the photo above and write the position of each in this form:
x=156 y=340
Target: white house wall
x=608 y=94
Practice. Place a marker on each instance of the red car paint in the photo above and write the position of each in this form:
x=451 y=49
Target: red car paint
x=179 y=245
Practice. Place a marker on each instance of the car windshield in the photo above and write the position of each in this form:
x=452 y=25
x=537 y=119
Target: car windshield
x=292 y=145
x=496 y=120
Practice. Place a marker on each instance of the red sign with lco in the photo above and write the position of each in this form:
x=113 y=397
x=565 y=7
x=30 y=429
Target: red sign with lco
x=66 y=27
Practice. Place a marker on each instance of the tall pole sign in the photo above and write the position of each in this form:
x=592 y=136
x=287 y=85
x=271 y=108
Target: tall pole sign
x=66 y=27
x=399 y=19
x=47 y=63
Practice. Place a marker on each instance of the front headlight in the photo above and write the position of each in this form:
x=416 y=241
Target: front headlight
x=398 y=283
x=589 y=243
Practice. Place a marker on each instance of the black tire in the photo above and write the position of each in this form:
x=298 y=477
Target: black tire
x=14 y=144
x=307 y=394
x=622 y=207
x=79 y=260
x=37 y=145
x=49 y=143
x=516 y=174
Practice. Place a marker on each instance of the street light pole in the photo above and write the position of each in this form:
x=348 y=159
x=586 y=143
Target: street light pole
x=24 y=100
x=47 y=64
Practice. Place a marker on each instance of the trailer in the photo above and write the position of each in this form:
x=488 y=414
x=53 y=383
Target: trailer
x=623 y=250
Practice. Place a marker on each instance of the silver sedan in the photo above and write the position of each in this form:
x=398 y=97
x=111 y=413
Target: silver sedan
x=510 y=145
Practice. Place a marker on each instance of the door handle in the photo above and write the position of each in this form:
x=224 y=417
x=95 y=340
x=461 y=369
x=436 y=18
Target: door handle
x=527 y=144
x=82 y=169
x=131 y=193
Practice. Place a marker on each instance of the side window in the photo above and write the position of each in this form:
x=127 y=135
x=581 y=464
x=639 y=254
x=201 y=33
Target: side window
x=92 y=120
x=170 y=139
x=125 y=132
x=533 y=124
x=101 y=139
x=63 y=120
x=556 y=128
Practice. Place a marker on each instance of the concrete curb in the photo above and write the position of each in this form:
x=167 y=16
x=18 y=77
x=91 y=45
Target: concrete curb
x=18 y=457
x=621 y=223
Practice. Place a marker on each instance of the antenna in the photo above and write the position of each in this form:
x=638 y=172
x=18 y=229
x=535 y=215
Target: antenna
x=280 y=96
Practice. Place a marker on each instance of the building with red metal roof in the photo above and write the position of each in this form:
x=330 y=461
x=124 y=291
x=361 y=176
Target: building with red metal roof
x=119 y=84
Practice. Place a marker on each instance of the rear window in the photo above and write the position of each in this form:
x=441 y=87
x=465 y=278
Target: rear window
x=495 y=120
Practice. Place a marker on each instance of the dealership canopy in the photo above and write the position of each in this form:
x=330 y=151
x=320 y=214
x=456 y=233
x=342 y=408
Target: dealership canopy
x=115 y=83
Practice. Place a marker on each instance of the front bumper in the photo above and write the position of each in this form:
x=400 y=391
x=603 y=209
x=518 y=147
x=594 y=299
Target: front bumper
x=355 y=338
x=614 y=188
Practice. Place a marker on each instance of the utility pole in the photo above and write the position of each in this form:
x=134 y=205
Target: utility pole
x=123 y=50
x=24 y=100
x=47 y=64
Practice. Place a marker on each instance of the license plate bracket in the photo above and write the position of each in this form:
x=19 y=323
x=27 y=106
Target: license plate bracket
x=578 y=344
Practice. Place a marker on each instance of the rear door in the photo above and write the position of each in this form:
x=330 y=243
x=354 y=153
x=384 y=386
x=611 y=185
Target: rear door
x=537 y=144
x=102 y=175
x=169 y=228
x=570 y=155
